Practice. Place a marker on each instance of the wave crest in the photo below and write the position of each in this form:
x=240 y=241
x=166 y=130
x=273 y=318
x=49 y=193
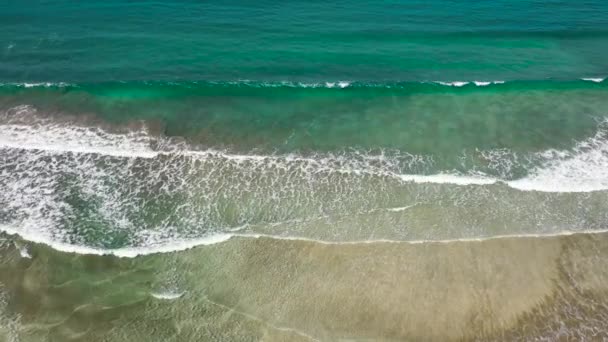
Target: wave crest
x=324 y=84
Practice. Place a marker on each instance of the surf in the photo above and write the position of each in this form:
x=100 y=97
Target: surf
x=579 y=169
x=216 y=195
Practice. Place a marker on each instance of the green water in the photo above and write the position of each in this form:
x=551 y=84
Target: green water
x=415 y=118
x=314 y=41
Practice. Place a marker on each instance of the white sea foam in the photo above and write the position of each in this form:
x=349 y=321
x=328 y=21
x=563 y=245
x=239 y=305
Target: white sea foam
x=340 y=84
x=75 y=140
x=167 y=295
x=45 y=238
x=591 y=79
x=398 y=209
x=464 y=83
x=487 y=83
x=23 y=251
x=448 y=179
x=37 y=84
x=48 y=136
x=454 y=84
x=137 y=145
x=582 y=169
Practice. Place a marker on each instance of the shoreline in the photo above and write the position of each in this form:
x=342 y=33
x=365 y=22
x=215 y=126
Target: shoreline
x=184 y=245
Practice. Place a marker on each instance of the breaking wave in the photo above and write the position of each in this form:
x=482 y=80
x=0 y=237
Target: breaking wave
x=88 y=189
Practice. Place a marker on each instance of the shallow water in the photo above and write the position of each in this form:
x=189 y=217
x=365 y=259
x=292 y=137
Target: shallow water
x=260 y=288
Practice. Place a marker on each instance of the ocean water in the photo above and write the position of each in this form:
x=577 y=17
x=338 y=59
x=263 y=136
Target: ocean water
x=303 y=41
x=394 y=170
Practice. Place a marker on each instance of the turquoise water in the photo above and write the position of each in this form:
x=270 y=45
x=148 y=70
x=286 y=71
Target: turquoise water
x=185 y=171
x=96 y=41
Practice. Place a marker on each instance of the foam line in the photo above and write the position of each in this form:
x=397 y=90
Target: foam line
x=166 y=295
x=427 y=241
x=127 y=252
x=398 y=209
x=6 y=143
x=328 y=84
x=178 y=246
x=453 y=84
x=582 y=169
x=596 y=79
x=446 y=178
